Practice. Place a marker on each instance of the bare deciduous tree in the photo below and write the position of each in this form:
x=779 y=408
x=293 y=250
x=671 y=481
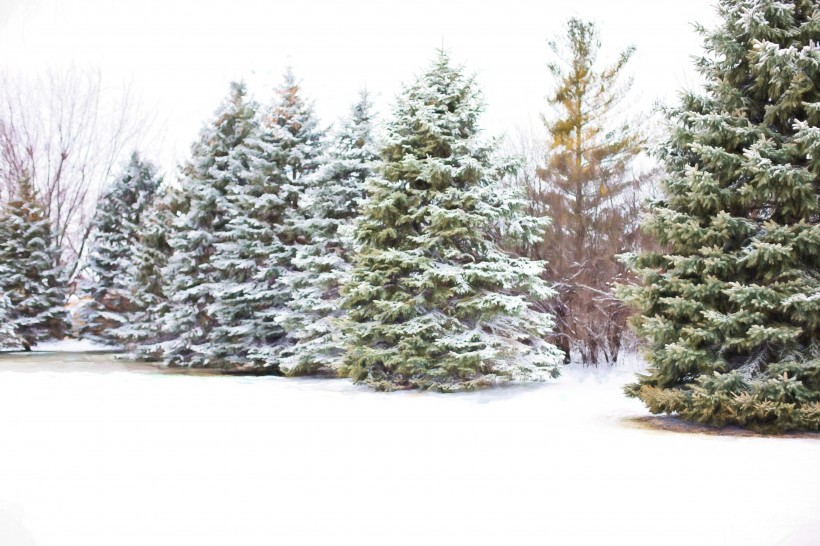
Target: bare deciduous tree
x=67 y=132
x=590 y=188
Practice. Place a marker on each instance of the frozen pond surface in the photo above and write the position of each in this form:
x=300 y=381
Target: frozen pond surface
x=97 y=452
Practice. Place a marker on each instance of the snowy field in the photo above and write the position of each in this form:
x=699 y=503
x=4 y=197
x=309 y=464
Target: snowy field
x=97 y=452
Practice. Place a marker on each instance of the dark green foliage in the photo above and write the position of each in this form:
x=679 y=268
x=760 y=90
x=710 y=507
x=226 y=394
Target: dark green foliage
x=434 y=303
x=731 y=308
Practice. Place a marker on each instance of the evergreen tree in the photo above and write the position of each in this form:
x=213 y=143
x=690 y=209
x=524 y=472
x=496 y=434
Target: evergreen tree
x=9 y=340
x=30 y=272
x=322 y=263
x=433 y=301
x=262 y=239
x=142 y=334
x=109 y=303
x=731 y=308
x=589 y=191
x=219 y=160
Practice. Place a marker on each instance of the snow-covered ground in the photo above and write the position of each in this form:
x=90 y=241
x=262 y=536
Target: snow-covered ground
x=71 y=346
x=97 y=452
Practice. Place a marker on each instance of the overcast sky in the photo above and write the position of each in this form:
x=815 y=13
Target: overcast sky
x=179 y=55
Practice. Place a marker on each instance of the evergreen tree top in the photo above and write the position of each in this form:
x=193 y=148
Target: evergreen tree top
x=117 y=217
x=762 y=60
x=758 y=117
x=137 y=183
x=439 y=109
x=24 y=201
x=292 y=112
x=438 y=193
x=25 y=191
x=290 y=132
x=356 y=130
x=436 y=160
x=348 y=162
x=232 y=123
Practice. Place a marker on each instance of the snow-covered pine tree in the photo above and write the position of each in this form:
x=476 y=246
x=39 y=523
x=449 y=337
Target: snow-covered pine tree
x=322 y=263
x=30 y=272
x=219 y=160
x=142 y=335
x=262 y=240
x=9 y=340
x=433 y=301
x=107 y=299
x=730 y=308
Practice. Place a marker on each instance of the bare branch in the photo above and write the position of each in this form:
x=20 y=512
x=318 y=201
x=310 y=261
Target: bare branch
x=68 y=133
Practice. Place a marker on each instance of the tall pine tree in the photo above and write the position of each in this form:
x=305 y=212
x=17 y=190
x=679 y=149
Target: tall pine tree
x=322 y=264
x=219 y=160
x=108 y=302
x=30 y=272
x=731 y=308
x=251 y=305
x=433 y=301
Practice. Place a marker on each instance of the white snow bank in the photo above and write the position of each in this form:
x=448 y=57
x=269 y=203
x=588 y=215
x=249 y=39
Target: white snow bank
x=624 y=372
x=95 y=459
x=68 y=345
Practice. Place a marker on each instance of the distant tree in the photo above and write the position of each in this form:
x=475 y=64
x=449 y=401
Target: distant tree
x=433 y=302
x=108 y=302
x=142 y=334
x=322 y=264
x=30 y=273
x=730 y=308
x=589 y=188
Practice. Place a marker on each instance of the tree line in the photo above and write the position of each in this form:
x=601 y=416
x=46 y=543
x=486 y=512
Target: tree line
x=419 y=256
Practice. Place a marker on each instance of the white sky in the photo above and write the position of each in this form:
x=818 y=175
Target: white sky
x=179 y=55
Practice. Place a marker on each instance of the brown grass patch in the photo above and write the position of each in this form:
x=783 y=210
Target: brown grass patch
x=670 y=423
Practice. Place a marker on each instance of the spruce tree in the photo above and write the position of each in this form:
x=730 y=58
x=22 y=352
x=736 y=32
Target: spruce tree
x=30 y=272
x=262 y=240
x=219 y=160
x=142 y=335
x=9 y=340
x=730 y=308
x=322 y=263
x=108 y=301
x=434 y=303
